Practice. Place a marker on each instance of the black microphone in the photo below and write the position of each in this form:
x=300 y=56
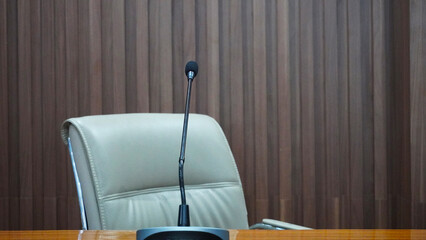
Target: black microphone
x=183 y=230
x=191 y=70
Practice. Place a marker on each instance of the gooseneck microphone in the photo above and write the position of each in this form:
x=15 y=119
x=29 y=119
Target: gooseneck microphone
x=183 y=230
x=191 y=70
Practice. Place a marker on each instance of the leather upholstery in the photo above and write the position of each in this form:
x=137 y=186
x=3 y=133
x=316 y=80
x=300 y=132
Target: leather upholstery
x=128 y=168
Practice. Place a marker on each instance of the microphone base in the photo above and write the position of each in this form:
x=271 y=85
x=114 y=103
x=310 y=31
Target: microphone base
x=183 y=219
x=180 y=233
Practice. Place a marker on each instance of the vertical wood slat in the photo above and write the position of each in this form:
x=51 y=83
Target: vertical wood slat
x=160 y=59
x=301 y=88
x=225 y=95
x=212 y=72
x=189 y=45
x=83 y=57
x=37 y=117
x=72 y=57
x=284 y=111
x=166 y=56
x=320 y=118
x=130 y=55
x=249 y=143
x=295 y=101
x=418 y=113
x=367 y=115
x=200 y=86
x=137 y=56
x=71 y=99
x=355 y=113
x=113 y=56
x=60 y=111
x=236 y=85
x=332 y=113
x=367 y=104
x=380 y=113
x=142 y=51
x=307 y=112
x=48 y=109
x=343 y=108
x=178 y=59
x=272 y=106
x=401 y=74
x=13 y=140
x=24 y=108
x=95 y=56
x=4 y=124
x=260 y=108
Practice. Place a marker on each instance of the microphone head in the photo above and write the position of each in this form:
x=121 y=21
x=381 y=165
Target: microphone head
x=191 y=66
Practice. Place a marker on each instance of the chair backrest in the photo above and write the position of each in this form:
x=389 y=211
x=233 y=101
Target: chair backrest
x=128 y=169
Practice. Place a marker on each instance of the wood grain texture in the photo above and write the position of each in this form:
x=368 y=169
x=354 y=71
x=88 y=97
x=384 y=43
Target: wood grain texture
x=322 y=102
x=233 y=234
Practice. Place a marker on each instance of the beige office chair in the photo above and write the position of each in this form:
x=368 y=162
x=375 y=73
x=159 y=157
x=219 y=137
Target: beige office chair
x=127 y=165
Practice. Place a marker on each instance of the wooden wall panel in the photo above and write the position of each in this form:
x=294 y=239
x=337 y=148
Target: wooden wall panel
x=313 y=96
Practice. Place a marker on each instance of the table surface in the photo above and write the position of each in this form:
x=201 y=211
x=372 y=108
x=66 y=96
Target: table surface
x=234 y=234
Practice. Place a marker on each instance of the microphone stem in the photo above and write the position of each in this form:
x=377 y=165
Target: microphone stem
x=181 y=183
x=183 y=143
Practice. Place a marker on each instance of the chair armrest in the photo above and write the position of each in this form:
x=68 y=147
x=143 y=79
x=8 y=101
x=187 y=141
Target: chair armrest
x=271 y=224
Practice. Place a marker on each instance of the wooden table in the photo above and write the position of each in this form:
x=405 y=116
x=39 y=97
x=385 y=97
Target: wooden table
x=234 y=234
